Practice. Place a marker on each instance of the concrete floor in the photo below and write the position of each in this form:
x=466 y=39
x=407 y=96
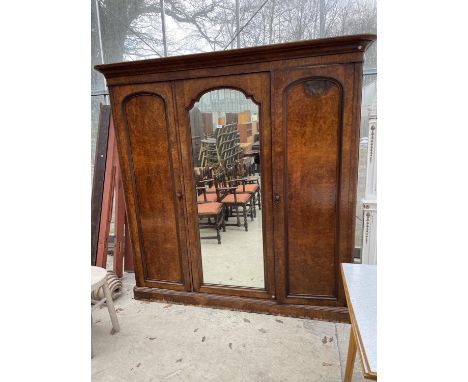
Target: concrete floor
x=238 y=260
x=168 y=342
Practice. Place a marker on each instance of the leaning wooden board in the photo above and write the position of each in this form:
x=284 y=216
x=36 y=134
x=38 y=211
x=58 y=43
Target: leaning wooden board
x=360 y=285
x=98 y=177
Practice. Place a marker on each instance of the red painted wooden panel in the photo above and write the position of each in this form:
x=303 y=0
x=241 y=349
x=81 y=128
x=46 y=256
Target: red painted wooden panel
x=107 y=200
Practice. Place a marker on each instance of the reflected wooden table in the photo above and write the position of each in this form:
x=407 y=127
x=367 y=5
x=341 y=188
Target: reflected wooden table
x=251 y=153
x=360 y=285
x=255 y=154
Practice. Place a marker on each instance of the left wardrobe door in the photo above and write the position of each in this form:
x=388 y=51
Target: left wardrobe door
x=149 y=153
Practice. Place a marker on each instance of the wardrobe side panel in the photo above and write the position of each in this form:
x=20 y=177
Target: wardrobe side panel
x=315 y=136
x=148 y=134
x=312 y=123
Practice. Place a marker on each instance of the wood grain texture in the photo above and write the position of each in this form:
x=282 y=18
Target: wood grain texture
x=256 y=305
x=98 y=176
x=259 y=54
x=149 y=144
x=107 y=199
x=128 y=256
x=350 y=358
x=313 y=130
x=309 y=100
x=310 y=247
x=119 y=222
x=149 y=157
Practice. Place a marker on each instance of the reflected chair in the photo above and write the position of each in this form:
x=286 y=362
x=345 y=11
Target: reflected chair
x=208 y=206
x=204 y=177
x=244 y=171
x=205 y=197
x=233 y=200
x=213 y=210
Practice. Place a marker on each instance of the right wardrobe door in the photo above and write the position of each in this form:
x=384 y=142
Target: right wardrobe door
x=315 y=138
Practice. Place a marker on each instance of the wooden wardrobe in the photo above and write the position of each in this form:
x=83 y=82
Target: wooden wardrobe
x=309 y=98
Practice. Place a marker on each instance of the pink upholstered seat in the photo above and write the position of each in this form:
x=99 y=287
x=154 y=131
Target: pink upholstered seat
x=209 y=208
x=250 y=188
x=241 y=198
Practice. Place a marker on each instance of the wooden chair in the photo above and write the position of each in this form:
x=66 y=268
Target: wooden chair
x=212 y=210
x=233 y=200
x=204 y=177
x=208 y=206
x=249 y=182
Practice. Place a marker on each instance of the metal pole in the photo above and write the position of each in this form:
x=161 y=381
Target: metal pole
x=237 y=24
x=322 y=18
x=247 y=23
x=100 y=44
x=163 y=19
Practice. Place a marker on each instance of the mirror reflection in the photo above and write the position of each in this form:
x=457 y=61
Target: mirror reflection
x=226 y=155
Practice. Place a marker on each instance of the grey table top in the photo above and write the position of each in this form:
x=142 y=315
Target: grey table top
x=360 y=282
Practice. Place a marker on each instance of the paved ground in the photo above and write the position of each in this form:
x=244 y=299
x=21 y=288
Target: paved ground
x=167 y=342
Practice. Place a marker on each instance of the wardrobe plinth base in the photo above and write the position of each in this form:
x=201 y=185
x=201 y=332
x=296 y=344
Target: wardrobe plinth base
x=252 y=305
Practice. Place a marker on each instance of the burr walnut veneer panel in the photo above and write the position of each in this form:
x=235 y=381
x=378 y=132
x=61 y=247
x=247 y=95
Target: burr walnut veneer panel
x=154 y=185
x=149 y=152
x=312 y=122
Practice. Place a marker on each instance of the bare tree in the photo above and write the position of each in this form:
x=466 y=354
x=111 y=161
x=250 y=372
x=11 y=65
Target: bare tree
x=132 y=28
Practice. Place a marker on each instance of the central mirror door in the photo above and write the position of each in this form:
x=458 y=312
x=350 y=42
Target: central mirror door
x=226 y=146
x=228 y=183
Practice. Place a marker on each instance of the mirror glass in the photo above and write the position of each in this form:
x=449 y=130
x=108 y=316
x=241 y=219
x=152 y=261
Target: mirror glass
x=226 y=157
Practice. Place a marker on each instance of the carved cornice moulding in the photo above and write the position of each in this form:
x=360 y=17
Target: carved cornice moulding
x=299 y=49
